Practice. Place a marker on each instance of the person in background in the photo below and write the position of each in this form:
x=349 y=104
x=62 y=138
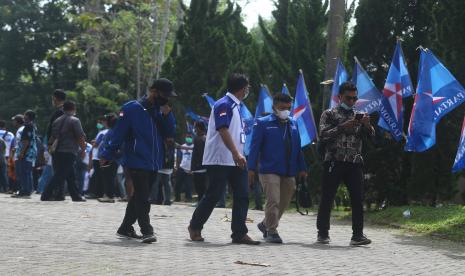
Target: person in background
x=109 y=172
x=14 y=173
x=71 y=141
x=184 y=173
x=199 y=171
x=47 y=171
x=82 y=167
x=96 y=182
x=58 y=99
x=161 y=190
x=26 y=154
x=6 y=140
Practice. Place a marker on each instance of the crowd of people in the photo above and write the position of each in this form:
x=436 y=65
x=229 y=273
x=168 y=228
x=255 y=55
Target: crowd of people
x=134 y=157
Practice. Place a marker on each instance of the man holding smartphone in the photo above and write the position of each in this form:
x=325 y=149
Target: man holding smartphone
x=342 y=131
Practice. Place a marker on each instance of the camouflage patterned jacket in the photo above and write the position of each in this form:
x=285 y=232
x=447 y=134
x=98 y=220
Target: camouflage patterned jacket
x=341 y=145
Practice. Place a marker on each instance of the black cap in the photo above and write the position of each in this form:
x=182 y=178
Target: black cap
x=165 y=86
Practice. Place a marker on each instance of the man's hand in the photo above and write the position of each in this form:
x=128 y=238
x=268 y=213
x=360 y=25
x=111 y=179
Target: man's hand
x=366 y=121
x=251 y=178
x=302 y=175
x=165 y=110
x=239 y=159
x=21 y=156
x=350 y=125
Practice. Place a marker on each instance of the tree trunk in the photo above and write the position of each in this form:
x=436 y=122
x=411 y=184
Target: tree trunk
x=334 y=42
x=93 y=44
x=154 y=15
x=163 y=38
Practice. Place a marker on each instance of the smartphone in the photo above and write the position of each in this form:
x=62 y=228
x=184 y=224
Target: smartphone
x=359 y=116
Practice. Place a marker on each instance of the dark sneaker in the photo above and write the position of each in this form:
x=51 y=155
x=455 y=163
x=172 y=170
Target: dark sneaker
x=149 y=238
x=195 y=235
x=21 y=196
x=261 y=226
x=79 y=199
x=360 y=240
x=246 y=240
x=323 y=239
x=128 y=235
x=273 y=238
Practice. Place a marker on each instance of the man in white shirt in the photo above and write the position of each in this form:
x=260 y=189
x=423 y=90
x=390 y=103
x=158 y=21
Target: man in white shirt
x=6 y=139
x=184 y=172
x=225 y=162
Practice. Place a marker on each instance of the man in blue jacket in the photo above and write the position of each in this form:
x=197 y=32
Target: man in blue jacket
x=276 y=147
x=143 y=127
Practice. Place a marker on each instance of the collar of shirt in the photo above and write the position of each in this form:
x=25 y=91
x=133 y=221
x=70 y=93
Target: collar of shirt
x=231 y=95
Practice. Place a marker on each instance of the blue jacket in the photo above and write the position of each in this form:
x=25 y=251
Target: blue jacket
x=141 y=129
x=268 y=147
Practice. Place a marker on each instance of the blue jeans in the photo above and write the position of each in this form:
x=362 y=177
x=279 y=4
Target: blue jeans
x=45 y=178
x=4 y=186
x=218 y=177
x=25 y=178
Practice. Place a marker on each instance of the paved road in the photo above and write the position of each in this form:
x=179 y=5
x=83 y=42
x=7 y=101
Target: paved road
x=67 y=238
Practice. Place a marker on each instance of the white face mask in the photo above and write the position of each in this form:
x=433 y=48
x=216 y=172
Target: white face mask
x=283 y=114
x=247 y=92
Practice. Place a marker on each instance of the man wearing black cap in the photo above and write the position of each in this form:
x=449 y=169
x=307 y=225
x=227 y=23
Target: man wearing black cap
x=143 y=127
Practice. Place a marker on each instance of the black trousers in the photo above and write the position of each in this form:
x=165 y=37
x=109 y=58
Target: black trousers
x=200 y=184
x=333 y=173
x=109 y=179
x=138 y=207
x=96 y=186
x=63 y=170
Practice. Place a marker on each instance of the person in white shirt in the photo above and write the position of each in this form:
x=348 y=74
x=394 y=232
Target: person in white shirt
x=6 y=139
x=184 y=173
x=96 y=189
x=223 y=157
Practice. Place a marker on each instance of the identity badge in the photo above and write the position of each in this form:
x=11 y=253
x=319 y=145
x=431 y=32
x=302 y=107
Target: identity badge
x=242 y=138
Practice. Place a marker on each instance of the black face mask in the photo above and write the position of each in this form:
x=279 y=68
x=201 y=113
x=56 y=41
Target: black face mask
x=161 y=101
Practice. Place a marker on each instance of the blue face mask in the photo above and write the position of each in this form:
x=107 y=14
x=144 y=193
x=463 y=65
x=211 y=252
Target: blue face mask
x=346 y=107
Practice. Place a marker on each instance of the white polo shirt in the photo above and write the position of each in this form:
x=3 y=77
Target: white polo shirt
x=8 y=137
x=225 y=113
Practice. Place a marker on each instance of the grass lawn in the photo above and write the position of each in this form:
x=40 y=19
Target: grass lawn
x=446 y=222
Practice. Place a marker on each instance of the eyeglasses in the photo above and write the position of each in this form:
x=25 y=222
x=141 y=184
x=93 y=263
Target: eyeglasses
x=349 y=98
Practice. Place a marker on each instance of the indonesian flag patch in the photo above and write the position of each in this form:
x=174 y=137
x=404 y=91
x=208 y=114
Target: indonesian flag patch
x=121 y=113
x=223 y=113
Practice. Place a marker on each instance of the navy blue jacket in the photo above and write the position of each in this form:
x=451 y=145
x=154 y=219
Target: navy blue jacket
x=141 y=129
x=268 y=147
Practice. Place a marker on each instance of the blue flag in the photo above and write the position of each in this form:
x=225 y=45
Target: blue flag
x=422 y=129
x=210 y=100
x=248 y=121
x=302 y=113
x=438 y=93
x=447 y=92
x=459 y=162
x=398 y=85
x=340 y=76
x=369 y=97
x=196 y=117
x=265 y=102
x=284 y=90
